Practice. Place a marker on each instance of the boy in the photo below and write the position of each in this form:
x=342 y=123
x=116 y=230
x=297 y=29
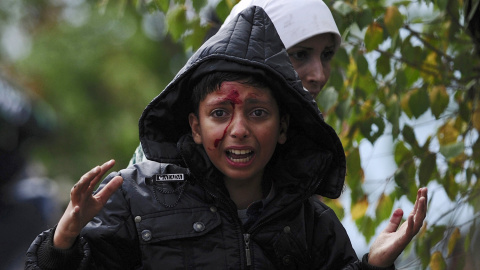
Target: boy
x=234 y=162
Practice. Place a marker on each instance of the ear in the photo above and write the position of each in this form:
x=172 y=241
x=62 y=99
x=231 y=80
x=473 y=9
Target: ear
x=284 y=122
x=195 y=126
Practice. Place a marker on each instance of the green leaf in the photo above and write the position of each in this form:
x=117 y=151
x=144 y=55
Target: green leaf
x=355 y=175
x=327 y=98
x=405 y=179
x=223 y=10
x=199 y=4
x=412 y=75
x=341 y=57
x=452 y=150
x=426 y=169
x=439 y=100
x=383 y=65
x=372 y=128
x=384 y=207
x=393 y=20
x=163 y=5
x=373 y=36
x=418 y=102
x=441 y=4
x=401 y=153
x=196 y=37
x=362 y=64
x=364 y=18
x=177 y=21
x=366 y=226
x=335 y=81
x=365 y=83
x=393 y=116
x=450 y=185
x=409 y=135
x=343 y=109
x=401 y=81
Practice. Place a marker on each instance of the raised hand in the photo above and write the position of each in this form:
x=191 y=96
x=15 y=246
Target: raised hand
x=84 y=205
x=391 y=242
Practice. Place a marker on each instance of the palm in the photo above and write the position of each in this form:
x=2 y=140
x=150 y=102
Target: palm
x=391 y=242
x=84 y=205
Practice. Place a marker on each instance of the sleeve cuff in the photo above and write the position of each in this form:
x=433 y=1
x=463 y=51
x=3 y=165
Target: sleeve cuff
x=50 y=257
x=371 y=267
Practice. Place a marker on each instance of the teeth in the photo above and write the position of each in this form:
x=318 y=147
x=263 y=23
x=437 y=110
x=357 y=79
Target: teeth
x=240 y=160
x=239 y=152
x=239 y=155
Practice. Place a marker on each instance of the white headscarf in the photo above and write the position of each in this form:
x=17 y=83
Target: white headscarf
x=295 y=20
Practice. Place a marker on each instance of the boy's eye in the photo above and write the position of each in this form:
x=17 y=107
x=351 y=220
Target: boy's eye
x=219 y=113
x=259 y=113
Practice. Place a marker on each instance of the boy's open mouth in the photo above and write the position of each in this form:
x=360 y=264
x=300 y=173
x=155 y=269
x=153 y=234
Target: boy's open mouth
x=239 y=156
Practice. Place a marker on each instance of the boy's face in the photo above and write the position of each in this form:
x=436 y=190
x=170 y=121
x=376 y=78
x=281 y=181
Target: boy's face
x=239 y=127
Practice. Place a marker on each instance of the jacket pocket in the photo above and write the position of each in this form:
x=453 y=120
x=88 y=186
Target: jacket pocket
x=176 y=224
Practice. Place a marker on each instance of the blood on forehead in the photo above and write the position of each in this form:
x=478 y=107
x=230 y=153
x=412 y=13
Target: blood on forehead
x=232 y=95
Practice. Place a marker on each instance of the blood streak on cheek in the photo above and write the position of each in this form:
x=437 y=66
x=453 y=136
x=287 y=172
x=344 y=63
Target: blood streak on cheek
x=232 y=97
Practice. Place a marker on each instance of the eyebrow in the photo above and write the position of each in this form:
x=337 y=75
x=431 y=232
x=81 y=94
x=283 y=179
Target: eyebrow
x=247 y=101
x=258 y=101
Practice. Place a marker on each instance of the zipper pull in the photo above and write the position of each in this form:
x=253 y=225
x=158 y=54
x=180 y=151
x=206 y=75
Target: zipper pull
x=246 y=238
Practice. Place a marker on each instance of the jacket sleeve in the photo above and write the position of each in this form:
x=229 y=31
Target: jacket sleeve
x=109 y=241
x=331 y=245
x=43 y=255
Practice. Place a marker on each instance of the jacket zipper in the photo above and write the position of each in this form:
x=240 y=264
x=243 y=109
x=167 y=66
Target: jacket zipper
x=246 y=238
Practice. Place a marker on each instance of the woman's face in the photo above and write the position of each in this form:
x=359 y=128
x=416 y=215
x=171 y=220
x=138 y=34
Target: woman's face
x=311 y=59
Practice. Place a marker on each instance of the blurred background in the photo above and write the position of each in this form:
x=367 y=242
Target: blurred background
x=404 y=96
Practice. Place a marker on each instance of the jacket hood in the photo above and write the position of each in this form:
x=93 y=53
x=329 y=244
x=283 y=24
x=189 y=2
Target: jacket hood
x=296 y=20
x=250 y=43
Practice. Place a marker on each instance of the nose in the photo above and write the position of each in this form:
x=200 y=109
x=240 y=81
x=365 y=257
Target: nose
x=316 y=74
x=239 y=127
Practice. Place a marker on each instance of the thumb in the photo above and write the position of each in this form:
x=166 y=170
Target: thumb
x=394 y=221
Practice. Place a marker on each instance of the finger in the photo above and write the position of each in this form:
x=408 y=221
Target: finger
x=103 y=169
x=82 y=185
x=104 y=194
x=394 y=221
x=411 y=225
x=420 y=215
x=419 y=194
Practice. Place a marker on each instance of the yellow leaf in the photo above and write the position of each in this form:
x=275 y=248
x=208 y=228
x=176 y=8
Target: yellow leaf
x=430 y=64
x=373 y=36
x=437 y=262
x=453 y=240
x=447 y=133
x=393 y=20
x=405 y=99
x=423 y=230
x=359 y=209
x=336 y=206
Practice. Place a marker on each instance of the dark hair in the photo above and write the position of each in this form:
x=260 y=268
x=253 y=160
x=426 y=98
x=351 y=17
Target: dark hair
x=212 y=82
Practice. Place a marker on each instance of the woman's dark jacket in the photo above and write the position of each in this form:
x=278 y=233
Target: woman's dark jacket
x=173 y=211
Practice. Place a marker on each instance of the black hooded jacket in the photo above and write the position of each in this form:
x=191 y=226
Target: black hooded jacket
x=173 y=211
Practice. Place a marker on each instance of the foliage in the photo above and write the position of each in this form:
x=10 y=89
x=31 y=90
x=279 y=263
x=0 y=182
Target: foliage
x=401 y=62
